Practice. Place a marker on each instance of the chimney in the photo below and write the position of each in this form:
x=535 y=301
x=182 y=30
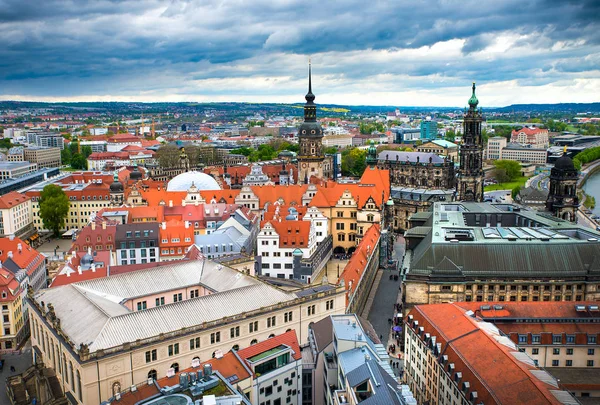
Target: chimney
x=11 y=236
x=79 y=269
x=68 y=273
x=103 y=224
x=93 y=225
x=19 y=247
x=187 y=224
x=93 y=267
x=10 y=254
x=170 y=203
x=164 y=225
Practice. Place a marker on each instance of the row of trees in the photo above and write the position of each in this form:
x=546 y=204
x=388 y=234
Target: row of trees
x=370 y=127
x=587 y=156
x=266 y=151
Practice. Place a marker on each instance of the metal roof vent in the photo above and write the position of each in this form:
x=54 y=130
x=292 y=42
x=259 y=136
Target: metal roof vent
x=498 y=307
x=579 y=308
x=592 y=307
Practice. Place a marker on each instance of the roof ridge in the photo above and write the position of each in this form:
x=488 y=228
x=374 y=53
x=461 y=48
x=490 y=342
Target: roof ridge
x=78 y=289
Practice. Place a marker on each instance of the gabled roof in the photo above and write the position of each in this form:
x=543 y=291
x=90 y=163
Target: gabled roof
x=24 y=258
x=12 y=199
x=288 y=339
x=271 y=193
x=356 y=266
x=292 y=234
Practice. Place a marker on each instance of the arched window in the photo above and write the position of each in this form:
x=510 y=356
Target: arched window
x=58 y=360
x=66 y=369
x=254 y=341
x=116 y=388
x=175 y=366
x=53 y=354
x=196 y=358
x=235 y=347
x=152 y=374
x=288 y=330
x=72 y=378
x=79 y=393
x=272 y=335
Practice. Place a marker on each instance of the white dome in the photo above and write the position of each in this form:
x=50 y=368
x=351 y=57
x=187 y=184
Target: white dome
x=184 y=181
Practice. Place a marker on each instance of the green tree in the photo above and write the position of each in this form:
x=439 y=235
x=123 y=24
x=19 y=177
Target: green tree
x=168 y=156
x=78 y=162
x=5 y=143
x=86 y=151
x=66 y=156
x=354 y=162
x=244 y=150
x=331 y=150
x=54 y=207
x=507 y=170
x=515 y=192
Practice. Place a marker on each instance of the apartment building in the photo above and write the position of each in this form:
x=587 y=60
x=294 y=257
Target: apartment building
x=453 y=356
x=16 y=215
x=124 y=331
x=174 y=239
x=21 y=267
x=88 y=193
x=43 y=156
x=138 y=243
x=276 y=367
x=494 y=147
x=46 y=139
x=515 y=151
x=534 y=137
x=340 y=348
x=553 y=334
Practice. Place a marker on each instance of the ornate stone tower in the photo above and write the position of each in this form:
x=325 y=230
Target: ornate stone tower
x=310 y=138
x=469 y=184
x=116 y=192
x=372 y=155
x=562 y=199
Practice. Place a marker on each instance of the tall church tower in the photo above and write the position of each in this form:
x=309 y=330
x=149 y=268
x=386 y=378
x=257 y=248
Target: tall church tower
x=469 y=185
x=310 y=138
x=562 y=199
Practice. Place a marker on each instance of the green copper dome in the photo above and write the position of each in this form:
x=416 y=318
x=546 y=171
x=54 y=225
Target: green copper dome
x=473 y=100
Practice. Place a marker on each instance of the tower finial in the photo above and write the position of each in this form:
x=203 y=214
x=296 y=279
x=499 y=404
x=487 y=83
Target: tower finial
x=309 y=76
x=473 y=100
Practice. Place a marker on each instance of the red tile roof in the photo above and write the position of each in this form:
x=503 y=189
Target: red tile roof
x=288 y=338
x=356 y=266
x=68 y=276
x=26 y=258
x=489 y=366
x=8 y=285
x=12 y=199
x=292 y=234
x=289 y=194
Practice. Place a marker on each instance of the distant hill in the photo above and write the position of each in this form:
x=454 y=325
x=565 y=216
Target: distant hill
x=561 y=107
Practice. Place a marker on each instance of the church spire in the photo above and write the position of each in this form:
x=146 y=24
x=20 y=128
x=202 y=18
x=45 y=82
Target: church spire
x=310 y=110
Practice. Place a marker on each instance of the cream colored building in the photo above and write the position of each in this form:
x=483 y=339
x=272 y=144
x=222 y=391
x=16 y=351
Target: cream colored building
x=338 y=140
x=525 y=155
x=116 y=330
x=44 y=157
x=16 y=214
x=495 y=146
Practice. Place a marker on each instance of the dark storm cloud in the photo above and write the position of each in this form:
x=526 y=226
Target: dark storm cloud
x=73 y=47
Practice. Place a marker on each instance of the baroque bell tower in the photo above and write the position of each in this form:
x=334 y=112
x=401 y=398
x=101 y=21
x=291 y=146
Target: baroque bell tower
x=469 y=184
x=311 y=157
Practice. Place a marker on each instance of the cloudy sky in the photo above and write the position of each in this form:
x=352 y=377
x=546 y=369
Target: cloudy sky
x=409 y=52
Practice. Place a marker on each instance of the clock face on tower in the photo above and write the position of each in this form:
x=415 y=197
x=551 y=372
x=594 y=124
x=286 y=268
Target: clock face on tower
x=304 y=165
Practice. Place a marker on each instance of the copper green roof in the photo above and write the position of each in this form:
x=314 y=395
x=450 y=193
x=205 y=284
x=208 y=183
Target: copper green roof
x=473 y=100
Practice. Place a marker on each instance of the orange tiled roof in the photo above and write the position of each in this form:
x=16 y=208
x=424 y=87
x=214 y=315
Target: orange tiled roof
x=292 y=234
x=357 y=264
x=12 y=199
x=289 y=194
x=176 y=230
x=9 y=285
x=26 y=258
x=472 y=350
x=227 y=196
x=64 y=279
x=288 y=338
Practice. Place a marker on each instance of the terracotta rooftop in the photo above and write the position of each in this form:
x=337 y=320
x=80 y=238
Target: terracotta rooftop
x=292 y=234
x=358 y=262
x=288 y=338
x=24 y=257
x=12 y=199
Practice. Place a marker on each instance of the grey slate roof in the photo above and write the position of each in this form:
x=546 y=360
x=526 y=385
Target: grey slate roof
x=109 y=324
x=384 y=385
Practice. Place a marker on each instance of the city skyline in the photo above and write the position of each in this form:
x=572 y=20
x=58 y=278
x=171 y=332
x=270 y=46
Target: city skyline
x=419 y=54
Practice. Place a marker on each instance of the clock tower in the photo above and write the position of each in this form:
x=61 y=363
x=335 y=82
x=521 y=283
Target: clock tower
x=311 y=157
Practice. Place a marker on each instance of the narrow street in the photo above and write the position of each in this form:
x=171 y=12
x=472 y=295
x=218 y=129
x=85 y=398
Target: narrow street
x=388 y=293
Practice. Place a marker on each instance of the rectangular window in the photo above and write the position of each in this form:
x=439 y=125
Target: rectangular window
x=556 y=339
x=141 y=305
x=570 y=338
x=522 y=339
x=535 y=351
x=535 y=339
x=591 y=352
x=253 y=327
x=173 y=349
x=329 y=305
x=591 y=339
x=287 y=317
x=569 y=363
x=569 y=352
x=234 y=332
x=339 y=226
x=194 y=343
x=150 y=355
x=590 y=363
x=215 y=338
x=555 y=363
x=177 y=297
x=160 y=301
x=271 y=322
x=556 y=351
x=310 y=310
